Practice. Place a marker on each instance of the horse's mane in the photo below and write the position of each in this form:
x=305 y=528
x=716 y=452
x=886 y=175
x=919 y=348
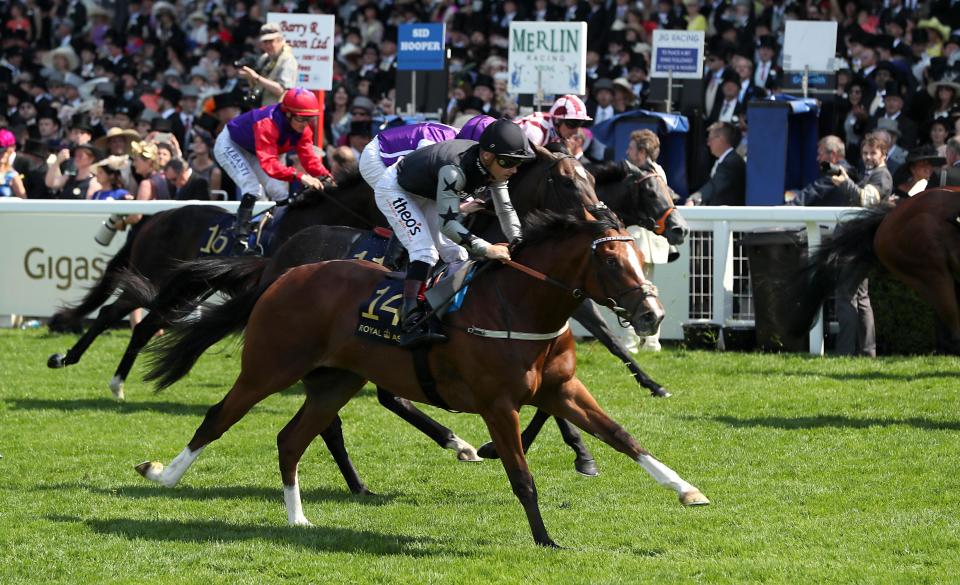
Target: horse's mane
x=346 y=182
x=542 y=225
x=606 y=172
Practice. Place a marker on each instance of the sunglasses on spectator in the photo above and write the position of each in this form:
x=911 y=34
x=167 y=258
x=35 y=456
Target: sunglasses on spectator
x=508 y=162
x=356 y=113
x=574 y=123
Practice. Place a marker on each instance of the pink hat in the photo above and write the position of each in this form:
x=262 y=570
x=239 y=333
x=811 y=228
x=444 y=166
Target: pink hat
x=7 y=139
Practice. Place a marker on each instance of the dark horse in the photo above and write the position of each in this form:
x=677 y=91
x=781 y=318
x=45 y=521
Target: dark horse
x=298 y=329
x=171 y=237
x=918 y=241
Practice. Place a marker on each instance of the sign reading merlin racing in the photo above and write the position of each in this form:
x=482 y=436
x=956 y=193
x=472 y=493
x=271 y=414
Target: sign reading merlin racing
x=553 y=54
x=420 y=47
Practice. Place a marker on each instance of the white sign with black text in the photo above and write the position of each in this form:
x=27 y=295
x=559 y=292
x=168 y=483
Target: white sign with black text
x=310 y=36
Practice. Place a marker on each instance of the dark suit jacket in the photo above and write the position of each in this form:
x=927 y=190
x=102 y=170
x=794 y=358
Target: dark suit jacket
x=728 y=185
x=952 y=178
x=907 y=127
x=196 y=188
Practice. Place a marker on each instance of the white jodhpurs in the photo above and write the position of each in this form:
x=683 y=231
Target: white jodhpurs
x=415 y=221
x=371 y=164
x=244 y=168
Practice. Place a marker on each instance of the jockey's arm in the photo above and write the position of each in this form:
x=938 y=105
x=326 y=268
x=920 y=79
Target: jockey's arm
x=308 y=156
x=509 y=222
x=450 y=182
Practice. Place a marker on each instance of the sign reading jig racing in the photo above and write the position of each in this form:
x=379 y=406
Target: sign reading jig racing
x=555 y=53
x=420 y=47
x=679 y=52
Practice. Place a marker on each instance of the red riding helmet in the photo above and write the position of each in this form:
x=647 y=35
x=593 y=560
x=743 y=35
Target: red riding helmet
x=300 y=102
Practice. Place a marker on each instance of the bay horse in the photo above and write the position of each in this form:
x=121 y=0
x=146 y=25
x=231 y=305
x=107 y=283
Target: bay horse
x=918 y=241
x=554 y=182
x=297 y=329
x=162 y=241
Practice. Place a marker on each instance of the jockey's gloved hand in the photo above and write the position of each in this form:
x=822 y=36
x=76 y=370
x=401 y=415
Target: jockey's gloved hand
x=498 y=252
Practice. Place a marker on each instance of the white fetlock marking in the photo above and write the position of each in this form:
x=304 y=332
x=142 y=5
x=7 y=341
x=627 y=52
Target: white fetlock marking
x=154 y=471
x=291 y=499
x=465 y=451
x=664 y=475
x=181 y=463
x=116 y=386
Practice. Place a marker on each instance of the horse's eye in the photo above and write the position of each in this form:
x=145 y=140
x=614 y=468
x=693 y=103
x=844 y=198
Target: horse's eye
x=612 y=261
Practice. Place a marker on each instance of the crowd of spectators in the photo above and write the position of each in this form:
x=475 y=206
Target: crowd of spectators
x=154 y=81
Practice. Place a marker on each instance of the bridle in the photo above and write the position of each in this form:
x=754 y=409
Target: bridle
x=659 y=225
x=646 y=288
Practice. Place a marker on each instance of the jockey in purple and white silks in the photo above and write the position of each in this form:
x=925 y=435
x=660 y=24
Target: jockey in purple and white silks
x=389 y=146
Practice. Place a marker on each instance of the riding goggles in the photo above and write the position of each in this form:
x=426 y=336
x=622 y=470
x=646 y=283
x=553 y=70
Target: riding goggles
x=508 y=162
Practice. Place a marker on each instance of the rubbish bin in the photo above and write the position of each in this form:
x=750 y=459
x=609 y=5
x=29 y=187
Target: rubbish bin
x=775 y=256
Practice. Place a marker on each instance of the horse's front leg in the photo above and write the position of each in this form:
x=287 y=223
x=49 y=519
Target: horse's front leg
x=504 y=427
x=572 y=401
x=591 y=319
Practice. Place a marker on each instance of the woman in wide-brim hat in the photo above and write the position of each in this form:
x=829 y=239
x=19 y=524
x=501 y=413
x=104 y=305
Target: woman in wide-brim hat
x=111 y=140
x=921 y=162
x=946 y=97
x=61 y=59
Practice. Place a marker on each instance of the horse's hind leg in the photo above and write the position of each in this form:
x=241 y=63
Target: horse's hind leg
x=328 y=390
x=504 y=427
x=574 y=402
x=333 y=437
x=440 y=434
x=142 y=334
x=584 y=463
x=247 y=391
x=107 y=316
x=591 y=319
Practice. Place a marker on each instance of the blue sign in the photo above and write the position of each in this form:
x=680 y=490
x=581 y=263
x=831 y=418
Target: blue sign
x=678 y=59
x=421 y=47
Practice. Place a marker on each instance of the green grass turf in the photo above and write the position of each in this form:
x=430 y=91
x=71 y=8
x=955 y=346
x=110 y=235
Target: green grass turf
x=820 y=470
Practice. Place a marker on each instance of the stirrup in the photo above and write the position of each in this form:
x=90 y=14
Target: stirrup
x=415 y=331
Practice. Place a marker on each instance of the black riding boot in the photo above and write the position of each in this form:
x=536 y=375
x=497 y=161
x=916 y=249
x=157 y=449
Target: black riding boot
x=415 y=329
x=241 y=225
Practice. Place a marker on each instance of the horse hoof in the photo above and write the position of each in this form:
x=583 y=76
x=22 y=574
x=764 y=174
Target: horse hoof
x=587 y=467
x=465 y=451
x=660 y=392
x=488 y=451
x=549 y=544
x=116 y=386
x=56 y=361
x=694 y=498
x=301 y=522
x=150 y=470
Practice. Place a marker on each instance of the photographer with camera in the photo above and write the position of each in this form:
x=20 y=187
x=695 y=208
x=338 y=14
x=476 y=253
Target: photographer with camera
x=273 y=72
x=822 y=192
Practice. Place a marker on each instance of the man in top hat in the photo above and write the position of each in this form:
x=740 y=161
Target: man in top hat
x=914 y=175
x=766 y=61
x=181 y=121
x=727 y=106
x=949 y=174
x=888 y=132
x=483 y=89
x=893 y=110
x=359 y=136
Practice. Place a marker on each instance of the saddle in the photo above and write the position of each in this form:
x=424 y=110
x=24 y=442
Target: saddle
x=379 y=315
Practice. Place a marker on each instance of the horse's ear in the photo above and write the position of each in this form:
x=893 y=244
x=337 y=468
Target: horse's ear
x=542 y=153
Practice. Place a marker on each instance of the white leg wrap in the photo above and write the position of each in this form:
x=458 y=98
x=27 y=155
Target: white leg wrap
x=181 y=463
x=291 y=499
x=463 y=449
x=664 y=475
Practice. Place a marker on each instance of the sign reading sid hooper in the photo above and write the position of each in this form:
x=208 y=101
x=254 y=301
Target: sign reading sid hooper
x=49 y=261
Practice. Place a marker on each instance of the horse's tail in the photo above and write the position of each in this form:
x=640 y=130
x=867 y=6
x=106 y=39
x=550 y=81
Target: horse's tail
x=840 y=262
x=176 y=353
x=190 y=282
x=70 y=317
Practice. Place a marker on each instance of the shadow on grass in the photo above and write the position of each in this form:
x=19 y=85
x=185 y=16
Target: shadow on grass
x=834 y=421
x=146 y=491
x=108 y=404
x=319 y=538
x=243 y=492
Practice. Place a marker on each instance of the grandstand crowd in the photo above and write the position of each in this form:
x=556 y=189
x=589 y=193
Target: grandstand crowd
x=114 y=96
